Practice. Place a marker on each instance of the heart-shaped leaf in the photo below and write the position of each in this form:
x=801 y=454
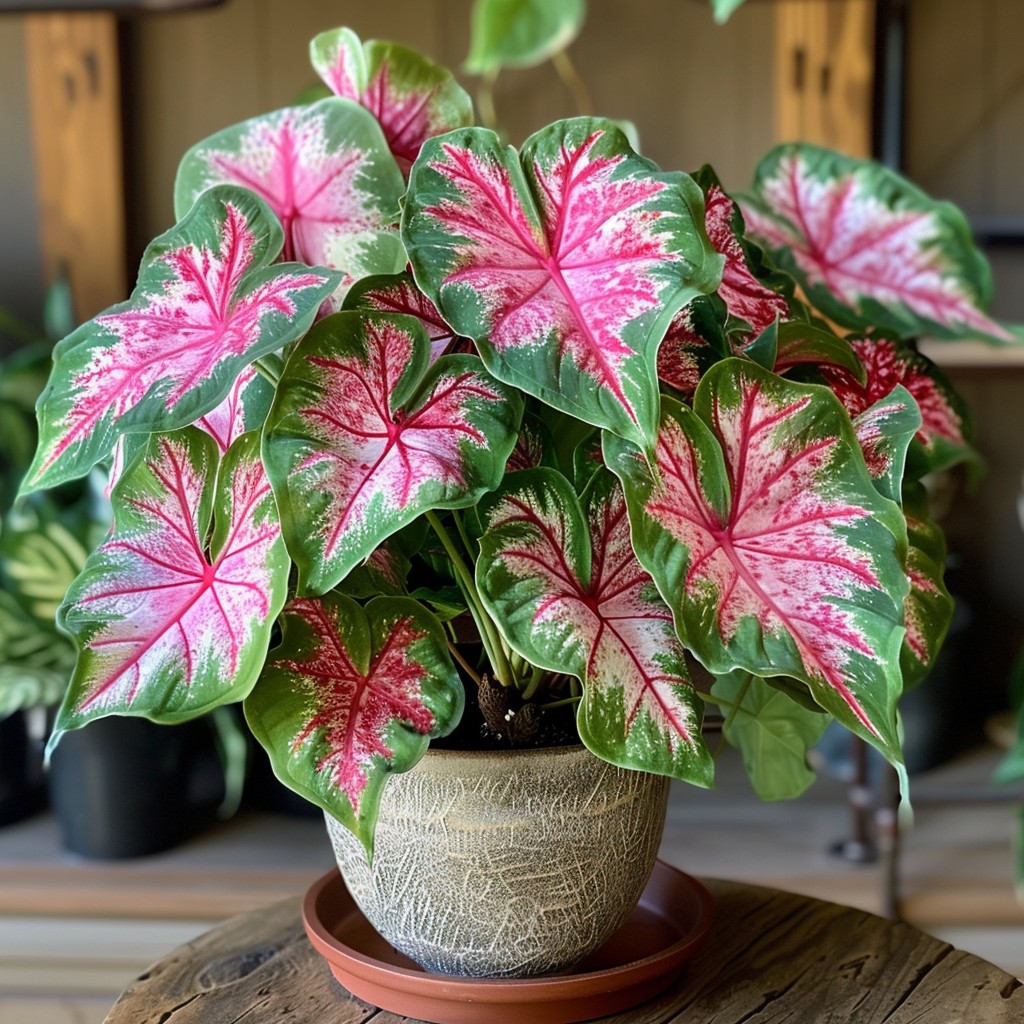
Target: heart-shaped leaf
x=769 y=541
x=745 y=296
x=364 y=437
x=412 y=97
x=173 y=613
x=772 y=732
x=885 y=431
x=521 y=33
x=326 y=172
x=564 y=264
x=397 y=293
x=928 y=609
x=943 y=435
x=564 y=585
x=210 y=300
x=351 y=695
x=869 y=248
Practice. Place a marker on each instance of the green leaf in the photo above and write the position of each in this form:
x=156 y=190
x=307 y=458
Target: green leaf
x=723 y=9
x=771 y=731
x=521 y=33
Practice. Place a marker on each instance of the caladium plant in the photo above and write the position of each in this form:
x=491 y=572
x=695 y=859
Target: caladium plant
x=409 y=425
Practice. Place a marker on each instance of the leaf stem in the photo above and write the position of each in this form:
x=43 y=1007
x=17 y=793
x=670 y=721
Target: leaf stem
x=489 y=635
x=453 y=649
x=573 y=82
x=734 y=707
x=564 y=702
x=485 y=99
x=266 y=369
x=536 y=678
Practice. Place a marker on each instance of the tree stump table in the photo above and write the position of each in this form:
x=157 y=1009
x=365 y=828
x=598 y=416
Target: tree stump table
x=771 y=956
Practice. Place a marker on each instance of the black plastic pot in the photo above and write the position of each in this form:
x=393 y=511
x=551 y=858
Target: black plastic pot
x=22 y=788
x=125 y=787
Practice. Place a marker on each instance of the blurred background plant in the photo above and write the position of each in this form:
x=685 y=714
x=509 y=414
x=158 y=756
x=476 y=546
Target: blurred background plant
x=45 y=538
x=44 y=541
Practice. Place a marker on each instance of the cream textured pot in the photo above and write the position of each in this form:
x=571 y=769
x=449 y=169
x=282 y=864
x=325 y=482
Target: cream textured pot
x=509 y=863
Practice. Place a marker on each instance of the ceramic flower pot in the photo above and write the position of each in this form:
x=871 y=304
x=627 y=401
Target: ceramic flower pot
x=506 y=864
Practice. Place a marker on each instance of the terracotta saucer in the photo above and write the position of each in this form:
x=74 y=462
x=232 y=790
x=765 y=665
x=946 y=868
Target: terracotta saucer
x=638 y=962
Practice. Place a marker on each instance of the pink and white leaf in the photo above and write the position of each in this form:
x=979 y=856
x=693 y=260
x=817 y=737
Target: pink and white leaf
x=869 y=248
x=942 y=434
x=770 y=543
x=885 y=431
x=564 y=264
x=244 y=409
x=928 y=609
x=398 y=294
x=412 y=97
x=365 y=436
x=326 y=172
x=208 y=303
x=566 y=589
x=351 y=695
x=745 y=297
x=173 y=614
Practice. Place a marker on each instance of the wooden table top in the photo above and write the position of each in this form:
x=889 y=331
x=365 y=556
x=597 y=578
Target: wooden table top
x=772 y=956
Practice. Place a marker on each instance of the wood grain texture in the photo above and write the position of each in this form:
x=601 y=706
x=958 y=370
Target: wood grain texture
x=825 y=73
x=74 y=87
x=772 y=957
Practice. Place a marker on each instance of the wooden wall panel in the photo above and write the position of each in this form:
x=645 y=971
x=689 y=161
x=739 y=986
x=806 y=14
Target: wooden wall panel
x=965 y=121
x=697 y=92
x=21 y=277
x=825 y=73
x=75 y=103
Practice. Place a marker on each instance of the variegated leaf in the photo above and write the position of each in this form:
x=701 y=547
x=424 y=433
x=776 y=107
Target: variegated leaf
x=351 y=695
x=412 y=97
x=928 y=609
x=801 y=343
x=207 y=304
x=565 y=587
x=326 y=172
x=364 y=437
x=869 y=248
x=694 y=341
x=173 y=613
x=885 y=431
x=244 y=409
x=397 y=293
x=944 y=433
x=564 y=264
x=768 y=539
x=745 y=296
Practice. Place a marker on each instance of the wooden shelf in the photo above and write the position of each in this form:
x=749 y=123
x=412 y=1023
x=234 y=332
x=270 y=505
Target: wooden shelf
x=974 y=355
x=242 y=864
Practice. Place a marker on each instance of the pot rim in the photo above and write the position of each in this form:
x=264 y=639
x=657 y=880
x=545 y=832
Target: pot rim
x=562 y=750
